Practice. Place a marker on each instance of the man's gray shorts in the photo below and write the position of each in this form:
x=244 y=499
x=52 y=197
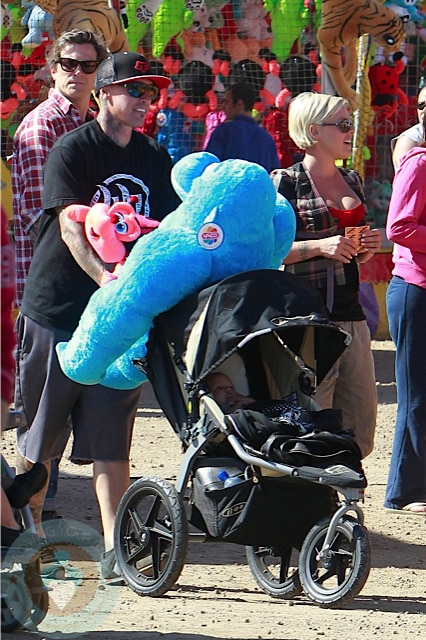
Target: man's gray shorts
x=102 y=418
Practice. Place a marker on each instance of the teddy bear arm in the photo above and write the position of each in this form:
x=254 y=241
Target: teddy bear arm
x=123 y=373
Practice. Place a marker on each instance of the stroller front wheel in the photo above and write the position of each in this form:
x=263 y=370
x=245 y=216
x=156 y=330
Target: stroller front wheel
x=335 y=579
x=151 y=536
x=275 y=571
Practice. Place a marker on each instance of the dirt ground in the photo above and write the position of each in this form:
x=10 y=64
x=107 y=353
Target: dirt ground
x=216 y=597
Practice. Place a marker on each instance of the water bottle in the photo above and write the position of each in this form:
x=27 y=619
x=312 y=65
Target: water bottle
x=228 y=481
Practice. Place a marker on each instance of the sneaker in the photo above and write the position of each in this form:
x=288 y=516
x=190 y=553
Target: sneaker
x=109 y=569
x=50 y=563
x=25 y=485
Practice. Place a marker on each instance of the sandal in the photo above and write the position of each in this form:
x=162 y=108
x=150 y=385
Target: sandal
x=418 y=508
x=411 y=509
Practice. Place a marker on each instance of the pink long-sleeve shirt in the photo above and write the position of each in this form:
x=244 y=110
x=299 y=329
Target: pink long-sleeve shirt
x=406 y=222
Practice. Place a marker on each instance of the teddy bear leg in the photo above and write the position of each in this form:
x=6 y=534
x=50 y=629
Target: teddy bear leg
x=332 y=61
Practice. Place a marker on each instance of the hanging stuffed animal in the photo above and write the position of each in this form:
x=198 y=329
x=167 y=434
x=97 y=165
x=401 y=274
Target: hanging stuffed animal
x=194 y=95
x=95 y=15
x=386 y=94
x=342 y=24
x=200 y=40
x=37 y=22
x=288 y=19
x=231 y=220
x=298 y=74
x=379 y=197
x=170 y=18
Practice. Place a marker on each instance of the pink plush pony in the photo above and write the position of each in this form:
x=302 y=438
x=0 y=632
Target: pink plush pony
x=108 y=228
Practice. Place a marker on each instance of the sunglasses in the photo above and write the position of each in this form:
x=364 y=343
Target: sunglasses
x=344 y=125
x=421 y=105
x=141 y=90
x=70 y=65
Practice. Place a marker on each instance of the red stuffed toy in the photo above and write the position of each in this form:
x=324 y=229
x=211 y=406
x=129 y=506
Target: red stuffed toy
x=386 y=95
x=108 y=228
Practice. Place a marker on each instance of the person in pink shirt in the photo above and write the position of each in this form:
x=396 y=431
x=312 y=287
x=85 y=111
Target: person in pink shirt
x=406 y=309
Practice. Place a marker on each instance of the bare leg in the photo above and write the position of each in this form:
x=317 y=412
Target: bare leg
x=111 y=479
x=7 y=517
x=37 y=501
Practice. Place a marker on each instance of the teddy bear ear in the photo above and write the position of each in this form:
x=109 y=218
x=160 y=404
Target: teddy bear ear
x=188 y=168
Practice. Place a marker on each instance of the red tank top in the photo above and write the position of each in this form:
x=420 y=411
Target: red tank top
x=348 y=217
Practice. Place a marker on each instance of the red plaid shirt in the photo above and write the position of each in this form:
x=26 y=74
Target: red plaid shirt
x=33 y=140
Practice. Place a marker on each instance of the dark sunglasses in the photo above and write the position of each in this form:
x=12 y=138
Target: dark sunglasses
x=69 y=65
x=344 y=125
x=141 y=90
x=421 y=105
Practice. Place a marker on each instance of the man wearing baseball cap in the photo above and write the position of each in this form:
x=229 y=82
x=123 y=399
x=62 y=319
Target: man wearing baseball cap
x=127 y=67
x=104 y=160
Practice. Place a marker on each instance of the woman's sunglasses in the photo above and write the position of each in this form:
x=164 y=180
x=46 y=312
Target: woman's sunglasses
x=421 y=105
x=70 y=65
x=344 y=125
x=141 y=90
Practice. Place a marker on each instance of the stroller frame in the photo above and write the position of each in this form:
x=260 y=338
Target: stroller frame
x=152 y=530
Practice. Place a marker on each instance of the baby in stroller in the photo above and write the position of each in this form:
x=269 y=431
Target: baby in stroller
x=223 y=391
x=270 y=333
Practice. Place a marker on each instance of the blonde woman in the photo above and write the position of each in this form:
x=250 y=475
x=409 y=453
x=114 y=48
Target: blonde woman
x=329 y=203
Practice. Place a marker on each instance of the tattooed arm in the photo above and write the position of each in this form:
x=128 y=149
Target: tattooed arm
x=337 y=247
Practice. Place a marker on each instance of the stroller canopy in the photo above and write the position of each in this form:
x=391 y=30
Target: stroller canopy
x=205 y=329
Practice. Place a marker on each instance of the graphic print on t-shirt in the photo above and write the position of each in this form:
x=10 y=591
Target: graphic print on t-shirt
x=119 y=188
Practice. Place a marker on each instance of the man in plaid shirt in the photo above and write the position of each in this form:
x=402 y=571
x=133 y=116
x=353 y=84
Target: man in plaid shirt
x=66 y=107
x=73 y=61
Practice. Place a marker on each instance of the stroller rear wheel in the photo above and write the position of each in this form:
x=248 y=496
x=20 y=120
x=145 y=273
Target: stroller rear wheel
x=336 y=579
x=275 y=571
x=151 y=536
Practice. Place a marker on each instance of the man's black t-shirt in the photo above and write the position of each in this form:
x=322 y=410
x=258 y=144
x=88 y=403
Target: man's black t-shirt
x=85 y=166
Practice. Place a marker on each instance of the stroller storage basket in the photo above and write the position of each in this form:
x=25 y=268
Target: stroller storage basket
x=257 y=511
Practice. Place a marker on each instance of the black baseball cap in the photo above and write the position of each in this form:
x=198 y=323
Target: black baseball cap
x=127 y=67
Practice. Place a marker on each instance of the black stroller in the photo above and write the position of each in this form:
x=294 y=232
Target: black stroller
x=297 y=485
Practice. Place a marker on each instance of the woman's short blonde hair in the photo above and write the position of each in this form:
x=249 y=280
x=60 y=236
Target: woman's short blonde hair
x=311 y=108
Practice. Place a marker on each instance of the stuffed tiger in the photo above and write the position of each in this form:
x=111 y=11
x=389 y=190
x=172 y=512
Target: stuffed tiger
x=343 y=22
x=96 y=15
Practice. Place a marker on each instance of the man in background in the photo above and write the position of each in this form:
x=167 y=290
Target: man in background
x=73 y=60
x=240 y=136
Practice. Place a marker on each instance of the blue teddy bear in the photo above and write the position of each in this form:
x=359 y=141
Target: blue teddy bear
x=231 y=220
